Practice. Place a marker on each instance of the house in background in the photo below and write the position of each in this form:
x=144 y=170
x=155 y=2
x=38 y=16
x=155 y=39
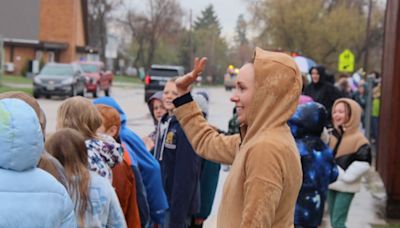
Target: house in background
x=43 y=30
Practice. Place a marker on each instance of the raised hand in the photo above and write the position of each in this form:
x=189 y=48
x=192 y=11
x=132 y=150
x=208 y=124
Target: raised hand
x=184 y=82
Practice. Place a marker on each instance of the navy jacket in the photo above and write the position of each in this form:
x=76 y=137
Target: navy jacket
x=148 y=166
x=317 y=160
x=180 y=168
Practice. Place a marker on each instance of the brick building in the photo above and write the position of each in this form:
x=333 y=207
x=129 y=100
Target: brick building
x=43 y=30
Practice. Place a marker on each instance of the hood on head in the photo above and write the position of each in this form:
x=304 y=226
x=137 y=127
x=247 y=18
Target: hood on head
x=278 y=86
x=202 y=102
x=156 y=96
x=322 y=73
x=31 y=102
x=21 y=136
x=353 y=124
x=113 y=103
x=309 y=119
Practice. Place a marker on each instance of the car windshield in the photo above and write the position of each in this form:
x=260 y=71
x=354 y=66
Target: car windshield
x=89 y=68
x=57 y=70
x=163 y=72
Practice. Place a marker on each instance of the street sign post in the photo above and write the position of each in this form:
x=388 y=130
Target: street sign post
x=346 y=61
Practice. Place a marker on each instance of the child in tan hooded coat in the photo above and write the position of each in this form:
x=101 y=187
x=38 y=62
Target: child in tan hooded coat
x=265 y=178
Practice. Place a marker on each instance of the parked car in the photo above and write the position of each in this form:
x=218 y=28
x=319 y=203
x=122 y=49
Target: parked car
x=59 y=79
x=96 y=78
x=157 y=77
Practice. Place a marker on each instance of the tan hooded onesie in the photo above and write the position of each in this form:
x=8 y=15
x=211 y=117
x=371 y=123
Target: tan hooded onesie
x=265 y=178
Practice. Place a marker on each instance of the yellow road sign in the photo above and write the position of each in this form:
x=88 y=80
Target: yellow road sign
x=346 y=61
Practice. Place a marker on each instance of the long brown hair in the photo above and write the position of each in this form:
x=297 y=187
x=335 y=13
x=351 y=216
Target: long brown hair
x=80 y=114
x=68 y=146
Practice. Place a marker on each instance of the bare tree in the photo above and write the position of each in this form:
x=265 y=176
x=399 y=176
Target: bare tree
x=161 y=18
x=99 y=13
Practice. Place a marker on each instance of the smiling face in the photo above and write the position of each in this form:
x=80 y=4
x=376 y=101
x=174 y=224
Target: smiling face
x=245 y=86
x=341 y=114
x=158 y=109
x=169 y=94
x=315 y=75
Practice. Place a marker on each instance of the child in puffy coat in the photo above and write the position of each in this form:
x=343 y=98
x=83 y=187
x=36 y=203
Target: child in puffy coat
x=317 y=161
x=29 y=196
x=353 y=156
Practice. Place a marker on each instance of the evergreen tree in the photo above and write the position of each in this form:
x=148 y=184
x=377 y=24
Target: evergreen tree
x=208 y=20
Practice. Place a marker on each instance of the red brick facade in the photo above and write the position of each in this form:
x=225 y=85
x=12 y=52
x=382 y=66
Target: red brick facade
x=61 y=22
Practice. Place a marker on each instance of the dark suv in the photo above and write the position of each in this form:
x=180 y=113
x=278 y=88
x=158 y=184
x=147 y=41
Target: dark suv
x=158 y=76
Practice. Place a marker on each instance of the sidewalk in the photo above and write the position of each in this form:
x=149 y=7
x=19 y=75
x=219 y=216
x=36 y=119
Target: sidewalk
x=367 y=208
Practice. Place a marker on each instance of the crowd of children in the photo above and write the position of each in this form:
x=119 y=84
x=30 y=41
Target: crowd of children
x=96 y=172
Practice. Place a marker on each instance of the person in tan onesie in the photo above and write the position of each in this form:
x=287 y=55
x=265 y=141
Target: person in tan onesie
x=265 y=178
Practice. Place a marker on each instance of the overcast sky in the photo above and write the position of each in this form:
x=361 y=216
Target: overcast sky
x=226 y=10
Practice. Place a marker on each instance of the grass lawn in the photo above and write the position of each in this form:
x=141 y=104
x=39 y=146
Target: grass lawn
x=8 y=89
x=17 y=79
x=127 y=79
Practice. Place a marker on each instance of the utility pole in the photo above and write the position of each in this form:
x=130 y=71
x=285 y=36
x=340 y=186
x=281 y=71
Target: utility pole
x=190 y=41
x=367 y=37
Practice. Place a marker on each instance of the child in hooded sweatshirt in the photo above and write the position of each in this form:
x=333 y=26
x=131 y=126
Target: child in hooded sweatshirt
x=151 y=197
x=180 y=166
x=353 y=156
x=157 y=110
x=103 y=151
x=317 y=161
x=209 y=173
x=96 y=204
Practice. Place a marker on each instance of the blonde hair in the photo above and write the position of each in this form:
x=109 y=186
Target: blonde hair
x=68 y=147
x=80 y=114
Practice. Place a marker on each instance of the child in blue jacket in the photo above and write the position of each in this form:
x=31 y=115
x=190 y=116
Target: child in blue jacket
x=151 y=197
x=317 y=160
x=180 y=166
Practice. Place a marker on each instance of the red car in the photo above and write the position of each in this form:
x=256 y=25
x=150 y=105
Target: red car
x=96 y=78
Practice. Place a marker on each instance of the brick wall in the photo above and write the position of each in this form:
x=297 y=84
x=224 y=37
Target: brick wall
x=61 y=21
x=21 y=57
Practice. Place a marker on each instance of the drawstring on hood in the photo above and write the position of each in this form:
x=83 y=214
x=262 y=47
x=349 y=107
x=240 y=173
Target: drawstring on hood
x=278 y=86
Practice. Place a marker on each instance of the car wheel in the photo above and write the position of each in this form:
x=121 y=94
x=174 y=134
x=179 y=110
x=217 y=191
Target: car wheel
x=107 y=92
x=83 y=92
x=48 y=96
x=36 y=94
x=73 y=92
x=96 y=92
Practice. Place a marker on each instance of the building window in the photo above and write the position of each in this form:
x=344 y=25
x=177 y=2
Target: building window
x=51 y=56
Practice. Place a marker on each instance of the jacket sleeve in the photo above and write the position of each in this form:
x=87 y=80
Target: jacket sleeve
x=69 y=219
x=355 y=171
x=116 y=217
x=360 y=166
x=151 y=176
x=263 y=187
x=186 y=179
x=207 y=142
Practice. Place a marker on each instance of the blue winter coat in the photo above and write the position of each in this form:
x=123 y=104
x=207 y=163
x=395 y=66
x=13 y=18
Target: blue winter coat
x=29 y=196
x=180 y=168
x=317 y=160
x=149 y=167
